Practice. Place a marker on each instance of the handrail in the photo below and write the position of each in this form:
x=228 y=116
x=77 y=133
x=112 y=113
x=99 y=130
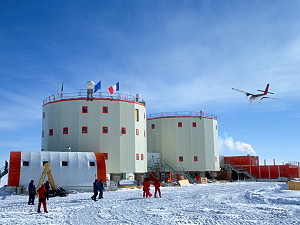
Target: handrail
x=181 y=113
x=83 y=94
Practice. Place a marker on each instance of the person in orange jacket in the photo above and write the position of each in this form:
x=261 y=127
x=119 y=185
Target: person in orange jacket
x=42 y=198
x=157 y=187
x=146 y=188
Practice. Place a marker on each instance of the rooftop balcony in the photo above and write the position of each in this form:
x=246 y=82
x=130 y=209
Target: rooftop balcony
x=183 y=113
x=97 y=95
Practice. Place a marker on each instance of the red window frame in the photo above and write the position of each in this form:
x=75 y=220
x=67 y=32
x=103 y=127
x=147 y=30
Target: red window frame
x=65 y=130
x=137 y=156
x=153 y=126
x=105 y=109
x=137 y=131
x=104 y=130
x=179 y=124
x=85 y=109
x=105 y=156
x=195 y=158
x=142 y=156
x=51 y=132
x=123 y=130
x=194 y=124
x=180 y=158
x=84 y=130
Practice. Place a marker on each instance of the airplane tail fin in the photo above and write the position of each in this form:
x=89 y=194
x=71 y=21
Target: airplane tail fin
x=267 y=89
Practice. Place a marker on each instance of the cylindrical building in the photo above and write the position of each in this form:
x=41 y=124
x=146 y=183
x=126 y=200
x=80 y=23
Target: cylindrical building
x=186 y=139
x=111 y=124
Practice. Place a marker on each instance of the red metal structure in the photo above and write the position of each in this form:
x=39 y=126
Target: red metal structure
x=251 y=165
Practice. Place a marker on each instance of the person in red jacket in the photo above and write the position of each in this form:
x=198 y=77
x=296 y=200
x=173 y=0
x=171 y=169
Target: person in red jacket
x=157 y=187
x=146 y=188
x=42 y=199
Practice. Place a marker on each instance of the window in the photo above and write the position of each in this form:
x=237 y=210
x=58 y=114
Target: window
x=105 y=156
x=152 y=126
x=84 y=130
x=43 y=133
x=44 y=115
x=144 y=133
x=104 y=109
x=25 y=163
x=137 y=131
x=64 y=163
x=142 y=156
x=92 y=163
x=179 y=124
x=50 y=132
x=180 y=158
x=65 y=130
x=123 y=130
x=137 y=115
x=137 y=156
x=104 y=130
x=195 y=158
x=194 y=124
x=216 y=127
x=44 y=162
x=84 y=109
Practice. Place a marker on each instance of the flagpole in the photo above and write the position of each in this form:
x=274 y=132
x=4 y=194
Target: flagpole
x=58 y=88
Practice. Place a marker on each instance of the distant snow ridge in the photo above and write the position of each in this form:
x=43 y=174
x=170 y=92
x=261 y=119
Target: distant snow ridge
x=235 y=146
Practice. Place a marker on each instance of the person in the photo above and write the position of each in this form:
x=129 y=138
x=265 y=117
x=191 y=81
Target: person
x=47 y=187
x=157 y=187
x=100 y=188
x=146 y=188
x=95 y=188
x=31 y=192
x=42 y=199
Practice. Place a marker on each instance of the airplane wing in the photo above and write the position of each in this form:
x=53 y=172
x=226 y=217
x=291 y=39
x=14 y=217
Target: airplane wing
x=272 y=98
x=246 y=93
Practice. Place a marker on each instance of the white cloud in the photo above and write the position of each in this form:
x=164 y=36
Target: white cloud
x=235 y=146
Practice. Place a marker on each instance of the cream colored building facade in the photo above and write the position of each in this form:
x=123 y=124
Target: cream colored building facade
x=188 y=140
x=110 y=124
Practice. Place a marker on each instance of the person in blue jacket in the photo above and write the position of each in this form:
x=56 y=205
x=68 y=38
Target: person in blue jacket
x=95 y=188
x=100 y=188
x=31 y=192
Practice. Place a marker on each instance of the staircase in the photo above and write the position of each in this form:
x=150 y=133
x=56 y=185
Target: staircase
x=239 y=171
x=4 y=170
x=161 y=165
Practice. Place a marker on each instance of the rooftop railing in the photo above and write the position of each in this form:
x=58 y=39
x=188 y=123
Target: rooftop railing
x=182 y=113
x=83 y=94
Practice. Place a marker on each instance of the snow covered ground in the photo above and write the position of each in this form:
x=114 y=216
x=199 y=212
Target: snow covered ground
x=213 y=203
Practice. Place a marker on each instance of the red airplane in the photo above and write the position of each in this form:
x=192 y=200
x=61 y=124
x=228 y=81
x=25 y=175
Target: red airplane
x=258 y=97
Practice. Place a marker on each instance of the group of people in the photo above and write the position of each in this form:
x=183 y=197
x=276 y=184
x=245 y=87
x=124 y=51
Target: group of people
x=43 y=193
x=146 y=188
x=98 y=187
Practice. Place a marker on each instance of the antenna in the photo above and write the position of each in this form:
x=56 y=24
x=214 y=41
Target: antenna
x=90 y=85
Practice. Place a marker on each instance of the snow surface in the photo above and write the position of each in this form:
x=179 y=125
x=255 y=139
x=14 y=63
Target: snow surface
x=213 y=203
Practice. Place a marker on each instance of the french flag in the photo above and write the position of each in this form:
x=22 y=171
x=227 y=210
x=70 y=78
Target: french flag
x=114 y=88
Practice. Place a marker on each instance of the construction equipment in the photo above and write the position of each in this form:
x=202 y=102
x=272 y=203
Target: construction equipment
x=55 y=191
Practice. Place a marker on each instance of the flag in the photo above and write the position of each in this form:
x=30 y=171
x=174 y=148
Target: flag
x=97 y=86
x=113 y=88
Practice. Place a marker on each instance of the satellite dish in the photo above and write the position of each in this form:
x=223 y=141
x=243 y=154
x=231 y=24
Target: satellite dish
x=90 y=85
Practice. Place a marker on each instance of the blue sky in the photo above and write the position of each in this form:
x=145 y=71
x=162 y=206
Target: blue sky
x=179 y=55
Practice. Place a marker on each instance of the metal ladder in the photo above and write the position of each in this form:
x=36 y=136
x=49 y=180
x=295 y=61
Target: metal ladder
x=4 y=170
x=162 y=165
x=240 y=171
